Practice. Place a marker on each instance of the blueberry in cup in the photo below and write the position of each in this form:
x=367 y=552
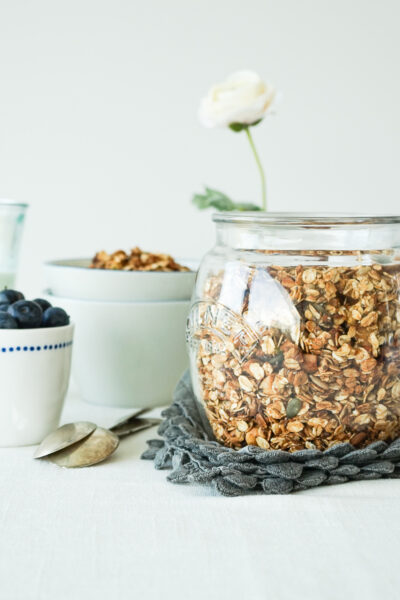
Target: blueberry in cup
x=27 y=314
x=18 y=313
x=44 y=304
x=10 y=296
x=54 y=317
x=7 y=321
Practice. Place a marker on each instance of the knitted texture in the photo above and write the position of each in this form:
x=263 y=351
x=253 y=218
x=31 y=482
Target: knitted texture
x=188 y=449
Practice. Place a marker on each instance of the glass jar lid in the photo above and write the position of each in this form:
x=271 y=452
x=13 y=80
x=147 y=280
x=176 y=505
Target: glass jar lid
x=304 y=219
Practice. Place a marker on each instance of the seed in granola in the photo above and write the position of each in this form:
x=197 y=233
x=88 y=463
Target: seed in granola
x=293 y=407
x=358 y=438
x=277 y=360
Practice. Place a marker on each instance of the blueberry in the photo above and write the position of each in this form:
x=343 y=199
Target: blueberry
x=27 y=314
x=55 y=317
x=42 y=303
x=7 y=321
x=4 y=306
x=10 y=296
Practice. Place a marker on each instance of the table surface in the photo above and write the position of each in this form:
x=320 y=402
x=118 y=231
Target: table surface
x=120 y=530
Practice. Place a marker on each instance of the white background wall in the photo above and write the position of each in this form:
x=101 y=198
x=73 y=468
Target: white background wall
x=98 y=125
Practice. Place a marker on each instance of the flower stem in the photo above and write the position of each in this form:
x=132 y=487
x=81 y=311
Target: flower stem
x=260 y=168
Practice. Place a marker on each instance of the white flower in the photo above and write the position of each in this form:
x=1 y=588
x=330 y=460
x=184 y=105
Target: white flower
x=243 y=98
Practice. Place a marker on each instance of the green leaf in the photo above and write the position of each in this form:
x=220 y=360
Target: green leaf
x=243 y=206
x=216 y=199
x=213 y=199
x=238 y=127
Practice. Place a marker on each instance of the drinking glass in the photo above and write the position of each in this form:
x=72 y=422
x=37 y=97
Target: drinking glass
x=12 y=216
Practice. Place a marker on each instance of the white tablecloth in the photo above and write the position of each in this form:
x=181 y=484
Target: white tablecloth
x=120 y=531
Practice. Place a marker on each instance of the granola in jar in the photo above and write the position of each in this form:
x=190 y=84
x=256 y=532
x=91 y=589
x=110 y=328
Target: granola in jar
x=292 y=356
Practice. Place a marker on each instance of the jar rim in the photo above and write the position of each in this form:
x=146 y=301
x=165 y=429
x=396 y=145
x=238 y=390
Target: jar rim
x=7 y=202
x=304 y=219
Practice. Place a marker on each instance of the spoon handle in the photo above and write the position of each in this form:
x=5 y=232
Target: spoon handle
x=133 y=425
x=130 y=418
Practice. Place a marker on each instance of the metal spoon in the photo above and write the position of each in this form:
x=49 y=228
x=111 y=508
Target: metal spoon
x=83 y=444
x=90 y=451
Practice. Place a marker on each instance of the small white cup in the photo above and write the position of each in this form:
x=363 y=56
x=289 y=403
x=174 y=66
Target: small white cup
x=35 y=366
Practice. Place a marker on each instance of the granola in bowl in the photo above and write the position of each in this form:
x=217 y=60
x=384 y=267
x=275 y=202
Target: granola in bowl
x=121 y=277
x=137 y=260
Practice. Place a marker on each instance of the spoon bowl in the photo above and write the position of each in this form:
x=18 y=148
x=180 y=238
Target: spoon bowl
x=63 y=437
x=95 y=448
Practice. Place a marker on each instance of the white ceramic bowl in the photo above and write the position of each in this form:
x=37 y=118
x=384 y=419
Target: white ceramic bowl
x=128 y=354
x=74 y=279
x=34 y=373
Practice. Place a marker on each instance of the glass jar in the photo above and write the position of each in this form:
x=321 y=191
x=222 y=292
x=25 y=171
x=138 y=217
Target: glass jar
x=12 y=215
x=294 y=330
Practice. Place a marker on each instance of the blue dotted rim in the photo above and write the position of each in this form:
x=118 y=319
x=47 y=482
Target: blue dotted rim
x=45 y=347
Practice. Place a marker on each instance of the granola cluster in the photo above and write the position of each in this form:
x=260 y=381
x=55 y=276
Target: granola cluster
x=329 y=374
x=137 y=260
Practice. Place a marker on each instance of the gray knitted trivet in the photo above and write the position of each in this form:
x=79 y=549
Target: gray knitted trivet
x=188 y=448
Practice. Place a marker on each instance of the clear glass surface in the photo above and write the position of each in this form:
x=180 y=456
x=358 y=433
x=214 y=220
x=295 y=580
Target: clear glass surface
x=12 y=216
x=294 y=330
